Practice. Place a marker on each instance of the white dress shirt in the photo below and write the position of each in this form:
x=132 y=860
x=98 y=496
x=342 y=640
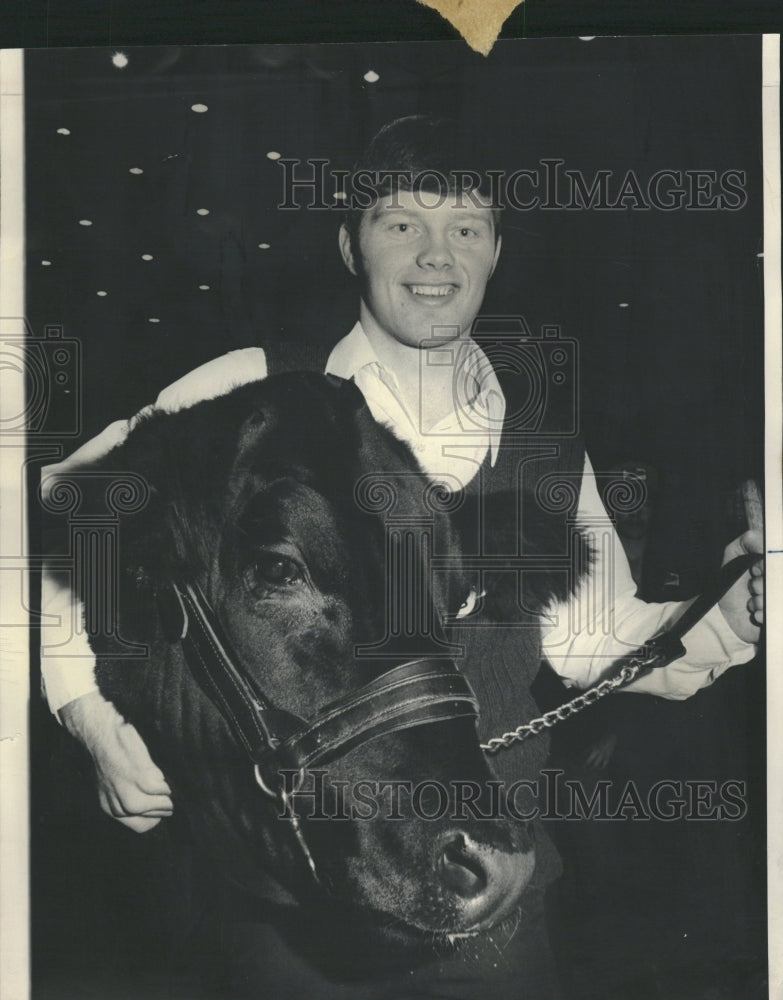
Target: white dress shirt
x=581 y=637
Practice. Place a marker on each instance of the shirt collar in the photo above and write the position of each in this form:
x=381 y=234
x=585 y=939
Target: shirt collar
x=351 y=354
x=355 y=352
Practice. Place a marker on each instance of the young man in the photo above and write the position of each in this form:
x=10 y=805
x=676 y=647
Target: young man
x=423 y=249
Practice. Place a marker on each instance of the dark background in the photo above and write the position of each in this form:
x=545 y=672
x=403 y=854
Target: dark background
x=675 y=379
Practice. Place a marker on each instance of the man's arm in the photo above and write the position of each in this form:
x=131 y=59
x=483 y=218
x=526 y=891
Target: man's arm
x=131 y=788
x=588 y=633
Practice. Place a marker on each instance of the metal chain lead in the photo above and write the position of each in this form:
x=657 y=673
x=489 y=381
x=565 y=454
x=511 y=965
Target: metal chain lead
x=661 y=650
x=627 y=674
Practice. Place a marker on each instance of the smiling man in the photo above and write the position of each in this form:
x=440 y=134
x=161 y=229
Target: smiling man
x=423 y=248
x=422 y=266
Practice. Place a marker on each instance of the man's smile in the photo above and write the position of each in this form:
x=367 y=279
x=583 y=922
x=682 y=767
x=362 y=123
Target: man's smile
x=440 y=291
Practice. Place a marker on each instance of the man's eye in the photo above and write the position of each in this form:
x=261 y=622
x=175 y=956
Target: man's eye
x=466 y=233
x=272 y=569
x=402 y=229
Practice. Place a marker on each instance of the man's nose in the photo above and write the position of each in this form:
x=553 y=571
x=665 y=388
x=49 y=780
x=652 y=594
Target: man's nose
x=435 y=254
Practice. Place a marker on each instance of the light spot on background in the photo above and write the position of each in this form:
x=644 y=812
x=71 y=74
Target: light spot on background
x=46 y=263
x=146 y=256
x=63 y=131
x=263 y=246
x=623 y=305
x=102 y=294
x=202 y=211
x=371 y=76
x=273 y=155
x=204 y=288
x=120 y=60
x=136 y=170
x=586 y=38
x=199 y=108
x=85 y=222
x=340 y=195
x=154 y=319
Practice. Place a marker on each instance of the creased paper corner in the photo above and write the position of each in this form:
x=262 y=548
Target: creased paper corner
x=478 y=21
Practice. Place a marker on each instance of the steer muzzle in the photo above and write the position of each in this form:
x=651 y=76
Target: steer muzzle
x=484 y=881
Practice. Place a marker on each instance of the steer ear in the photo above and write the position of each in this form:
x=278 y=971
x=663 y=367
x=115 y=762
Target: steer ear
x=103 y=537
x=155 y=499
x=128 y=495
x=166 y=453
x=186 y=459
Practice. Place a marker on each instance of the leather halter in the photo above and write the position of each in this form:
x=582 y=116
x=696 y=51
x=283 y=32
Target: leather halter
x=412 y=694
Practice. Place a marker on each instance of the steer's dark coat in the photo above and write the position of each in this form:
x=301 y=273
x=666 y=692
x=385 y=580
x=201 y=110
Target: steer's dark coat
x=271 y=471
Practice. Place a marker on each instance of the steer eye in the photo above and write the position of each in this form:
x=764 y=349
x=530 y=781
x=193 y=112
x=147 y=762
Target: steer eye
x=271 y=569
x=470 y=603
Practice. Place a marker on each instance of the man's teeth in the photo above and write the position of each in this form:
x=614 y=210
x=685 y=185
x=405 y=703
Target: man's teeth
x=431 y=289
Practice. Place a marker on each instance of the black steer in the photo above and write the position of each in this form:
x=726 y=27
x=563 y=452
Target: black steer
x=256 y=497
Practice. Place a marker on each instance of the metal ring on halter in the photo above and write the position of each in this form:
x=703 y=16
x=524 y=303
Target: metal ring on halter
x=262 y=784
x=280 y=791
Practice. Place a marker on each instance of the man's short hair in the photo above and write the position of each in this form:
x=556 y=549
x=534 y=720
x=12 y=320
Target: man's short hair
x=419 y=153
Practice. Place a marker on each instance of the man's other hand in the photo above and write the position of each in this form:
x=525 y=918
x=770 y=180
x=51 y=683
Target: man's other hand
x=131 y=787
x=743 y=605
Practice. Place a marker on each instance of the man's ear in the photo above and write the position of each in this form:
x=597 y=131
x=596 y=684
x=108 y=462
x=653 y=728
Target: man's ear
x=498 y=244
x=346 y=249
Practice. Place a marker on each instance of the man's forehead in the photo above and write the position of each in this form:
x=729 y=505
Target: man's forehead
x=457 y=205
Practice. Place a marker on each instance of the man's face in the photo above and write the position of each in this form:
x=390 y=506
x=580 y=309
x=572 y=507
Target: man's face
x=423 y=270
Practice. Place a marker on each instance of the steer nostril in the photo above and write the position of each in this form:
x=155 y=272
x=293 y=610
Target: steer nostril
x=483 y=882
x=463 y=872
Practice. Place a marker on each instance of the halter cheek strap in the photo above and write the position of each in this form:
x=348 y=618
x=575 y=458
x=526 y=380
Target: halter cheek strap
x=186 y=616
x=414 y=694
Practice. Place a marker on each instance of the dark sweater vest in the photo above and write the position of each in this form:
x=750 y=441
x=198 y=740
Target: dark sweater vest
x=521 y=512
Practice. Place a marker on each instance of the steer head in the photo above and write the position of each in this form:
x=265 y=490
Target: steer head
x=278 y=500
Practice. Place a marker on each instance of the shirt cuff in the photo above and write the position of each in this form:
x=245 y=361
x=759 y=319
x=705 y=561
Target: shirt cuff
x=711 y=648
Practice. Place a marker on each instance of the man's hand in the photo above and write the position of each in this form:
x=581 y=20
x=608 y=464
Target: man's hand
x=131 y=788
x=743 y=605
